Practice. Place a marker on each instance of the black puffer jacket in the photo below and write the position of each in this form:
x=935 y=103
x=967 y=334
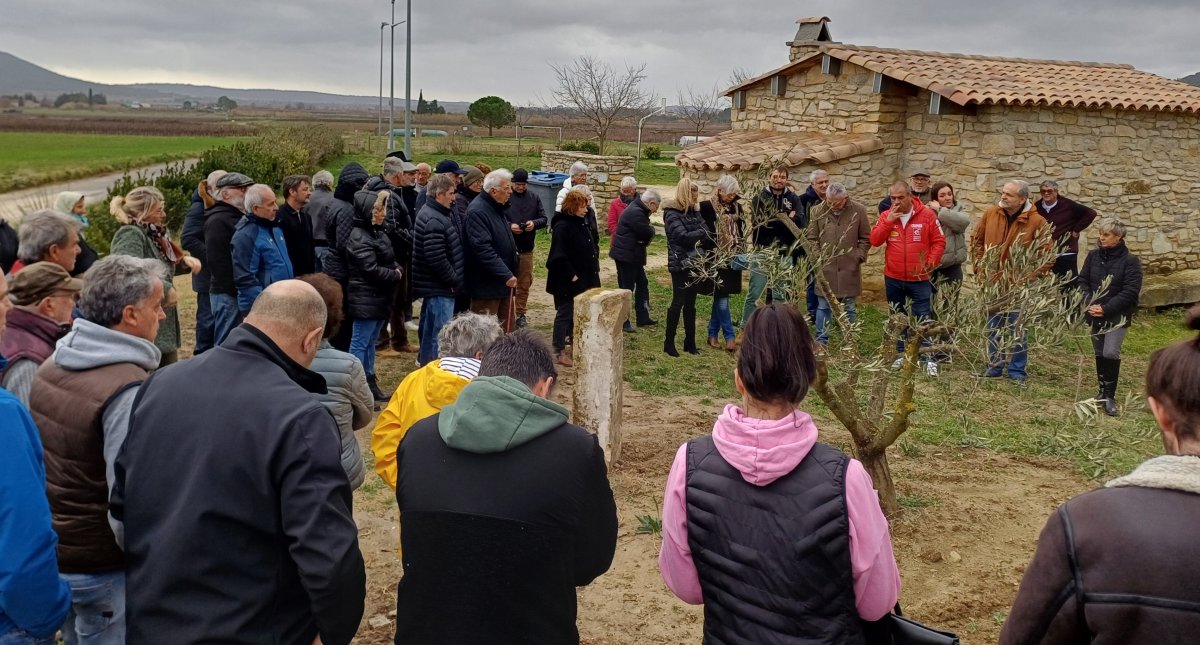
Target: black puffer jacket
x=685 y=234
x=8 y=246
x=339 y=219
x=372 y=266
x=1120 y=297
x=634 y=233
x=573 y=265
x=399 y=222
x=438 y=261
x=220 y=220
x=490 y=249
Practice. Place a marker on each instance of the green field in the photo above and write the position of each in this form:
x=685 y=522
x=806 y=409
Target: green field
x=29 y=159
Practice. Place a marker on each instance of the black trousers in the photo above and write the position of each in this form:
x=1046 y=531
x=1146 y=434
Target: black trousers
x=683 y=301
x=1067 y=266
x=633 y=277
x=564 y=321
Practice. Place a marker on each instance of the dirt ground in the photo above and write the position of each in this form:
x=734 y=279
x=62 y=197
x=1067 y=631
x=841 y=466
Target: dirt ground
x=962 y=547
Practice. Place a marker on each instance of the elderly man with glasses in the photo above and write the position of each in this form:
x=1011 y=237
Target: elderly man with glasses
x=1067 y=219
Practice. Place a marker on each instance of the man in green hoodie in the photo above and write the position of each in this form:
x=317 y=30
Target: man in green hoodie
x=505 y=508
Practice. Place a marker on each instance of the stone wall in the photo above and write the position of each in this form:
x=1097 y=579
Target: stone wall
x=605 y=172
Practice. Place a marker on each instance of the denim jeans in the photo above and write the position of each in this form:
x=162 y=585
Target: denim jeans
x=204 y=323
x=97 y=615
x=225 y=315
x=1003 y=328
x=825 y=314
x=720 y=318
x=758 y=284
x=436 y=311
x=633 y=277
x=900 y=293
x=362 y=342
x=18 y=636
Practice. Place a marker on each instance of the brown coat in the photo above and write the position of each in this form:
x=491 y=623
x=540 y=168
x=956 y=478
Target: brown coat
x=1115 y=565
x=846 y=236
x=993 y=230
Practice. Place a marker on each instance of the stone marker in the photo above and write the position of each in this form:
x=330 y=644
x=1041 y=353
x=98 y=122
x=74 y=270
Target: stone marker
x=598 y=351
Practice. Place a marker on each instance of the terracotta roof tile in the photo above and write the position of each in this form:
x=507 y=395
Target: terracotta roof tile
x=746 y=149
x=968 y=79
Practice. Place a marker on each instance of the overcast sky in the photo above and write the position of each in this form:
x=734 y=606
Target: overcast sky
x=467 y=49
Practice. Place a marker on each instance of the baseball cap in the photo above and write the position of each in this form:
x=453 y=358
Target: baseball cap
x=919 y=172
x=41 y=280
x=449 y=165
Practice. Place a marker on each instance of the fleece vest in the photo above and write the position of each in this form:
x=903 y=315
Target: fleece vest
x=68 y=408
x=774 y=560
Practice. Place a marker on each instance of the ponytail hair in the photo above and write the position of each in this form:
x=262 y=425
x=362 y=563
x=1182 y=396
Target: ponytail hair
x=1172 y=377
x=132 y=208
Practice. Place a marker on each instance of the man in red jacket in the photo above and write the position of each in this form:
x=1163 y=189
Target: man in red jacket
x=914 y=249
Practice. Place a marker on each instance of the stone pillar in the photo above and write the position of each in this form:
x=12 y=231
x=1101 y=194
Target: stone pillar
x=598 y=352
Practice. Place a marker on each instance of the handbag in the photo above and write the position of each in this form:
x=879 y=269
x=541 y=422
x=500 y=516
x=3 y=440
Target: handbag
x=906 y=631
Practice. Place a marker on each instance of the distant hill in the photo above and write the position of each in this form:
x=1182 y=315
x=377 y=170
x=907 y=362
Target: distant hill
x=1194 y=79
x=18 y=76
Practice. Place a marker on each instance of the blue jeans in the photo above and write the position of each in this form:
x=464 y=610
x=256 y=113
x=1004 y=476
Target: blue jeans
x=825 y=314
x=18 y=636
x=362 y=342
x=320 y=253
x=224 y=314
x=204 y=323
x=436 y=311
x=97 y=615
x=758 y=284
x=900 y=293
x=720 y=318
x=1004 y=328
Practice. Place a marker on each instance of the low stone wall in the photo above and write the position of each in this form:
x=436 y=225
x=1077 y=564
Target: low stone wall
x=605 y=172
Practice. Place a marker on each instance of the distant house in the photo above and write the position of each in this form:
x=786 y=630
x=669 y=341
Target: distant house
x=1125 y=142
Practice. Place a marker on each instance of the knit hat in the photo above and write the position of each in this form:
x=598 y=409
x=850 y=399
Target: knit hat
x=41 y=280
x=520 y=176
x=353 y=173
x=473 y=175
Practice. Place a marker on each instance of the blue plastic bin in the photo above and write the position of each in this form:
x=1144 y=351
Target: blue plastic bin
x=546 y=186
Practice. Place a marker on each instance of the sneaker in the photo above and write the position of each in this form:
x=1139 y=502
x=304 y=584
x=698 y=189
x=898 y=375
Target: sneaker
x=898 y=363
x=521 y=322
x=627 y=328
x=412 y=325
x=931 y=368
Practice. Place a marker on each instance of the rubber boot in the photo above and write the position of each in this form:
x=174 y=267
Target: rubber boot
x=1110 y=399
x=672 y=326
x=1101 y=378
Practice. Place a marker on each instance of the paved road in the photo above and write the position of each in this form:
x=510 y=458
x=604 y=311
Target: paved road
x=93 y=188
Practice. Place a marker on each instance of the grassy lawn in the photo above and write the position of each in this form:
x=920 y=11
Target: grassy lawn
x=502 y=152
x=29 y=159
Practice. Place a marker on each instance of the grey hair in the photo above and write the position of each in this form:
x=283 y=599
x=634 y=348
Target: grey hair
x=727 y=184
x=651 y=196
x=628 y=182
x=393 y=166
x=815 y=175
x=323 y=179
x=212 y=178
x=467 y=335
x=1022 y=186
x=256 y=195
x=836 y=189
x=41 y=230
x=440 y=185
x=577 y=168
x=116 y=282
x=1049 y=183
x=1112 y=225
x=223 y=196
x=495 y=178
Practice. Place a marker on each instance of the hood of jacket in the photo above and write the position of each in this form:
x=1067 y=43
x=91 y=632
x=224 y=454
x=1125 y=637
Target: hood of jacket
x=88 y=346
x=350 y=180
x=364 y=208
x=467 y=193
x=496 y=414
x=763 y=450
x=441 y=387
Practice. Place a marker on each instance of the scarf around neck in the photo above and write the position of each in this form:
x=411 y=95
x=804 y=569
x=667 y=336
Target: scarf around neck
x=162 y=239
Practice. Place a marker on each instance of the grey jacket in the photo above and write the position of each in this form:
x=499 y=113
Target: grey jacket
x=349 y=399
x=954 y=223
x=89 y=346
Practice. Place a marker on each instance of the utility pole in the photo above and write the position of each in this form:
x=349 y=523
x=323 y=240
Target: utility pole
x=407 y=80
x=392 y=92
x=379 y=126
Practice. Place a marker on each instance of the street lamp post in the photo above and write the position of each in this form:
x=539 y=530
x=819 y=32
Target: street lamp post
x=408 y=81
x=379 y=126
x=662 y=108
x=392 y=92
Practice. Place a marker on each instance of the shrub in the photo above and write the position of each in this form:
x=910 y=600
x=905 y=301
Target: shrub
x=590 y=147
x=652 y=152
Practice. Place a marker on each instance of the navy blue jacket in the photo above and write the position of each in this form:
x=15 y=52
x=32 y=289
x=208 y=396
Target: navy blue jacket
x=192 y=241
x=491 y=250
x=438 y=262
x=260 y=258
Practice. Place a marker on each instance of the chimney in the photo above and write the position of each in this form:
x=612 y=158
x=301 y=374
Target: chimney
x=811 y=32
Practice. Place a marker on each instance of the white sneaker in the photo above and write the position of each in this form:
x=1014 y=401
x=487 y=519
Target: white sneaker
x=896 y=364
x=412 y=326
x=931 y=368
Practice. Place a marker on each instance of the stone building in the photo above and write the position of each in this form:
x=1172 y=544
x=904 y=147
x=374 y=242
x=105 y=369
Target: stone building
x=1123 y=141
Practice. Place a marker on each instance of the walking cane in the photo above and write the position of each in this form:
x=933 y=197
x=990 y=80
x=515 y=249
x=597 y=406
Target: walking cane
x=512 y=305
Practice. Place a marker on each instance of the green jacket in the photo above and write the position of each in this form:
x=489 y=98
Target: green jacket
x=496 y=414
x=133 y=241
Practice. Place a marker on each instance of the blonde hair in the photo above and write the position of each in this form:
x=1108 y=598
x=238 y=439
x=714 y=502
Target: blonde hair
x=132 y=208
x=684 y=200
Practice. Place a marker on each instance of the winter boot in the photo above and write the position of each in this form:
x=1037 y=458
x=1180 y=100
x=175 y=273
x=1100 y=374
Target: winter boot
x=1101 y=377
x=373 y=384
x=1112 y=373
x=672 y=326
x=689 y=336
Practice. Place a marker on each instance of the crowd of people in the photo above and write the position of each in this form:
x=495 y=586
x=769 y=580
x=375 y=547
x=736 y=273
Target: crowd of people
x=148 y=499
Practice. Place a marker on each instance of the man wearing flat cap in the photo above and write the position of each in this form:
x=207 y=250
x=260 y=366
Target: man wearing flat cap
x=220 y=221
x=918 y=185
x=43 y=294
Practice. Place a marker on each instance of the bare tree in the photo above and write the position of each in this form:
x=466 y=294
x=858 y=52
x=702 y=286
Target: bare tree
x=738 y=75
x=700 y=107
x=602 y=95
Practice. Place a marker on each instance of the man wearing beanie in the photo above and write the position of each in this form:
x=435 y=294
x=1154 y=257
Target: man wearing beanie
x=526 y=216
x=44 y=294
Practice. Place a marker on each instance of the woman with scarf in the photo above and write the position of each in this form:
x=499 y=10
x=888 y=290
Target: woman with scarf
x=70 y=203
x=1119 y=564
x=723 y=218
x=1111 y=282
x=144 y=234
